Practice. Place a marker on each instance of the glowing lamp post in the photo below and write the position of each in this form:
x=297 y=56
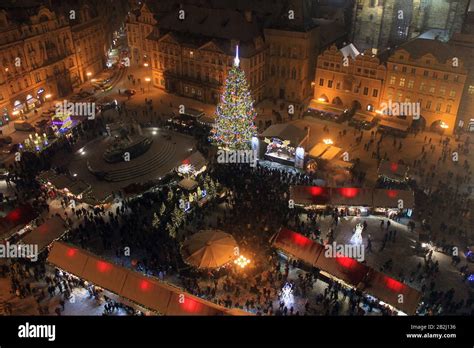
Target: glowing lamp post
x=242 y=261
x=328 y=141
x=145 y=65
x=147 y=79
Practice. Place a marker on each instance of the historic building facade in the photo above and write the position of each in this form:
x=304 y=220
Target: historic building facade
x=44 y=54
x=428 y=74
x=431 y=74
x=278 y=46
x=139 y=25
x=347 y=80
x=382 y=23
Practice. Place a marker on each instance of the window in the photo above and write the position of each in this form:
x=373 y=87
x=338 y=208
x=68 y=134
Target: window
x=410 y=83
x=399 y=96
x=186 y=89
x=413 y=71
x=191 y=54
x=471 y=89
x=392 y=80
x=432 y=89
x=366 y=91
x=448 y=108
x=452 y=93
x=422 y=87
x=404 y=69
x=375 y=93
x=395 y=68
x=293 y=74
x=442 y=90
x=428 y=104
x=425 y=73
x=446 y=76
x=456 y=78
x=402 y=82
x=338 y=86
x=438 y=107
x=435 y=75
x=321 y=82
x=330 y=83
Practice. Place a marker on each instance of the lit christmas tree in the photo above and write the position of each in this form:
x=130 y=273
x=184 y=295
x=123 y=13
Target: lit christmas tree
x=234 y=127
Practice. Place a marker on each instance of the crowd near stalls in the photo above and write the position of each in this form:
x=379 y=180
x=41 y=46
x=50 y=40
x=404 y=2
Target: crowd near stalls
x=355 y=201
x=349 y=272
x=147 y=292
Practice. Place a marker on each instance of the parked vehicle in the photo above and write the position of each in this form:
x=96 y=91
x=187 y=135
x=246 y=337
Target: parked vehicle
x=23 y=127
x=5 y=139
x=130 y=92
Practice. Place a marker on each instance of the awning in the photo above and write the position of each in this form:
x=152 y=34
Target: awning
x=344 y=268
x=188 y=184
x=105 y=274
x=78 y=188
x=309 y=195
x=395 y=125
x=297 y=245
x=402 y=199
x=318 y=149
x=61 y=181
x=363 y=117
x=330 y=153
x=388 y=290
x=196 y=160
x=351 y=196
x=16 y=218
x=286 y=131
x=393 y=170
x=46 y=233
x=186 y=304
x=149 y=292
x=145 y=291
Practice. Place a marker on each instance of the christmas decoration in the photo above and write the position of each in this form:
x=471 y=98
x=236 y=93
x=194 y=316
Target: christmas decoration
x=234 y=126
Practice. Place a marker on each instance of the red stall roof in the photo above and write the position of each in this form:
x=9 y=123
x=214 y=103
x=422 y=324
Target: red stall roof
x=351 y=196
x=389 y=290
x=148 y=292
x=69 y=258
x=309 y=194
x=345 y=268
x=391 y=198
x=393 y=170
x=21 y=215
x=297 y=245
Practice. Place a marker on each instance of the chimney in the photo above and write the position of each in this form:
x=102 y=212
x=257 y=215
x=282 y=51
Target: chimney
x=248 y=16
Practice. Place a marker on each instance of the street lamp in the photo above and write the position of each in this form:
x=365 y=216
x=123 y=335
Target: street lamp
x=47 y=97
x=147 y=79
x=145 y=65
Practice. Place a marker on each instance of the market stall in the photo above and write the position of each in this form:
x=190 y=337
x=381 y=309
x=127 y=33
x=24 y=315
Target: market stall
x=310 y=195
x=46 y=233
x=146 y=291
x=393 y=171
x=282 y=140
x=297 y=245
x=392 y=292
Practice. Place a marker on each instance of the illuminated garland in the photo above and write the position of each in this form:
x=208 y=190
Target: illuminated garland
x=234 y=127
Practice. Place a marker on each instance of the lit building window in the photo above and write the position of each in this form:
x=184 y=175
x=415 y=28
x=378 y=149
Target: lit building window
x=471 y=89
x=448 y=108
x=402 y=82
x=392 y=80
